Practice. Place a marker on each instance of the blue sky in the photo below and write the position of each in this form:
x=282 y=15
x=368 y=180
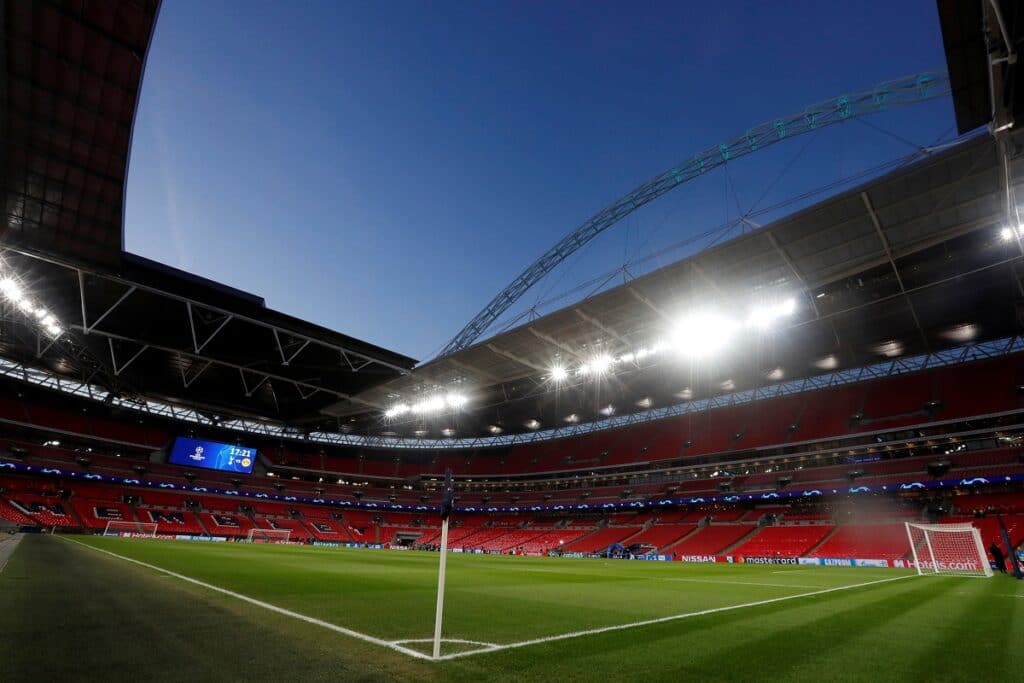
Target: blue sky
x=385 y=168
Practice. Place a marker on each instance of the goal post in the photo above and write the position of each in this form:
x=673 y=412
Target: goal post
x=948 y=550
x=132 y=529
x=269 y=535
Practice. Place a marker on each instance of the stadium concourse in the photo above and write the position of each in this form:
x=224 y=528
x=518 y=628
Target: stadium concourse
x=194 y=486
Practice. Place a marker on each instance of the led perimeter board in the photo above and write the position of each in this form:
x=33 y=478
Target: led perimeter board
x=212 y=455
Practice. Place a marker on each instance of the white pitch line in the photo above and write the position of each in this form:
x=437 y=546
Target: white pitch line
x=7 y=549
x=740 y=583
x=661 y=620
x=267 y=606
x=448 y=640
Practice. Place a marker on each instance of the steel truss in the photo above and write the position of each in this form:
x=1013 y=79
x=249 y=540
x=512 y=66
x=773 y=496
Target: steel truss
x=900 y=366
x=205 y=323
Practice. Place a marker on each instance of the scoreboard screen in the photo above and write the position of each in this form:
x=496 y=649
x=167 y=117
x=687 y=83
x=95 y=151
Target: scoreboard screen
x=212 y=455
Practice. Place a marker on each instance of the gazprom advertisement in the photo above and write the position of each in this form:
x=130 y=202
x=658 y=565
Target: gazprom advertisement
x=212 y=455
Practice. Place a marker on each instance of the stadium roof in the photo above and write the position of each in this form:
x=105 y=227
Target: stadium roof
x=913 y=262
x=909 y=263
x=70 y=74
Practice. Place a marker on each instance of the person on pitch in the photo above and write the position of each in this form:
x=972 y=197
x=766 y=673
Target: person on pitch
x=997 y=556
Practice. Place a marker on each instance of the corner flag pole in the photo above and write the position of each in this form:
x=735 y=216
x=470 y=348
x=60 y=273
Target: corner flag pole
x=446 y=511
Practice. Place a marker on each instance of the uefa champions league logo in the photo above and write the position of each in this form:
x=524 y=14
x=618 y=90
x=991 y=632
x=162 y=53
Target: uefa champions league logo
x=198 y=455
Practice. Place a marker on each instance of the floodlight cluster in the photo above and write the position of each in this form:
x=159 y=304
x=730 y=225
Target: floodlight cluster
x=699 y=335
x=429 y=406
x=14 y=293
x=1007 y=233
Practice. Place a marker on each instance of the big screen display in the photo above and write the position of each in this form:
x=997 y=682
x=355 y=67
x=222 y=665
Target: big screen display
x=212 y=455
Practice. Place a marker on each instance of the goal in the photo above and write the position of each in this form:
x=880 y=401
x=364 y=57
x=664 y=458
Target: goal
x=269 y=535
x=132 y=529
x=948 y=549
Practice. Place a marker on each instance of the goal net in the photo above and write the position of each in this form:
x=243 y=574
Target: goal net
x=132 y=529
x=269 y=535
x=948 y=549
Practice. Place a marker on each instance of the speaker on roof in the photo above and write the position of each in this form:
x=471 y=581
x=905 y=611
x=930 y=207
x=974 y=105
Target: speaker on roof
x=853 y=475
x=933 y=407
x=784 y=481
x=725 y=486
x=937 y=468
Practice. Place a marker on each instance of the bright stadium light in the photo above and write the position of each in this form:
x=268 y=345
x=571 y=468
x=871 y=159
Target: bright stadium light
x=1006 y=233
x=455 y=400
x=703 y=334
x=433 y=404
x=601 y=364
x=765 y=317
x=532 y=424
x=396 y=410
x=11 y=289
x=559 y=373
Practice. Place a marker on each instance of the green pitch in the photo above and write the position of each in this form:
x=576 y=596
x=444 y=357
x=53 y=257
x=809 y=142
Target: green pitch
x=69 y=612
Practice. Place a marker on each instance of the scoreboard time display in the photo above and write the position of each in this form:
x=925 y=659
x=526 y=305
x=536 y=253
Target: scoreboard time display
x=212 y=455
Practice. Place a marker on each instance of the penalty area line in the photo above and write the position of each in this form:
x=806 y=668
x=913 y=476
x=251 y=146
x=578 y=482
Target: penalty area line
x=392 y=645
x=661 y=620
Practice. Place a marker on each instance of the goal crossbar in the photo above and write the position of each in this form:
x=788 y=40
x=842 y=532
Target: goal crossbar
x=948 y=550
x=269 y=535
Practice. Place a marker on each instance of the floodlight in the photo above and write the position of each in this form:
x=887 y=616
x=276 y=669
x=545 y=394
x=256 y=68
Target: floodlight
x=456 y=400
x=559 y=373
x=495 y=429
x=703 y=334
x=1006 y=234
x=429 y=405
x=608 y=410
x=396 y=410
x=533 y=424
x=626 y=358
x=889 y=349
x=764 y=317
x=11 y=289
x=644 y=402
x=776 y=374
x=827 y=363
x=572 y=419
x=448 y=431
x=601 y=364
